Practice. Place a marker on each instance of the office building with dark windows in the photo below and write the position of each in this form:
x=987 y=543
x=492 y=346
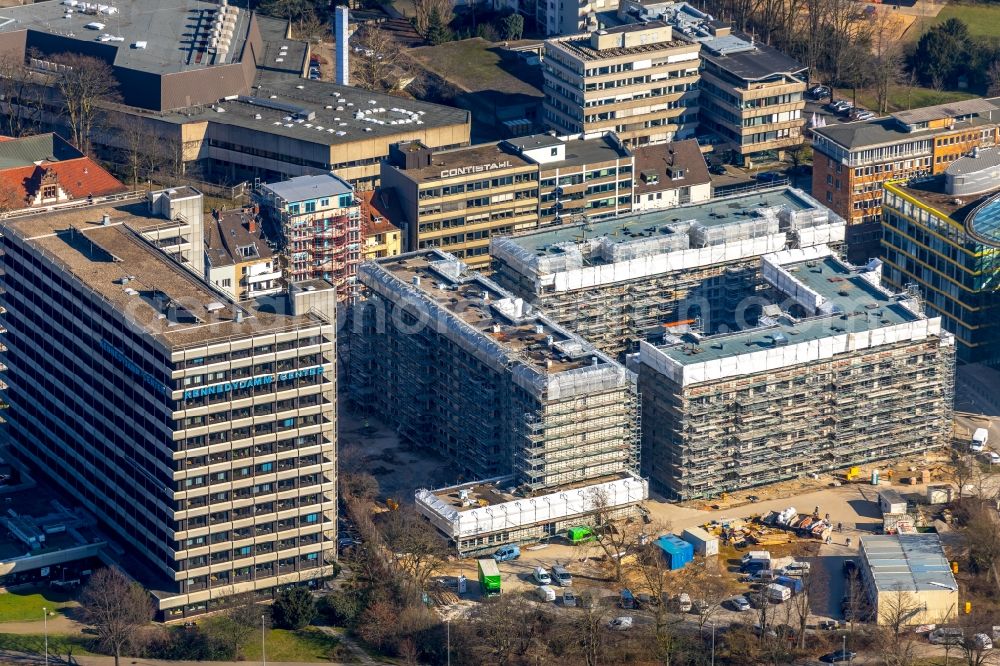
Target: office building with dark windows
x=200 y=432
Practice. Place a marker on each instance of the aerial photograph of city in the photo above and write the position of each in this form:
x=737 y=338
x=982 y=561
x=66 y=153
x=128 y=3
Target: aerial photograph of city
x=500 y=332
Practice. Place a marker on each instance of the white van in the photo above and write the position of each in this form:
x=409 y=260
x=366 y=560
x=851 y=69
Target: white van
x=546 y=593
x=979 y=440
x=778 y=593
x=541 y=576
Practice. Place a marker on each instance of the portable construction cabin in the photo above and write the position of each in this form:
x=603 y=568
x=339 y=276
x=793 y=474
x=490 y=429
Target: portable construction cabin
x=489 y=577
x=704 y=543
x=889 y=501
x=579 y=535
x=676 y=550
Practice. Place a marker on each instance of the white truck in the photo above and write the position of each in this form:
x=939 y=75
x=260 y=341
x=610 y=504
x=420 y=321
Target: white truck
x=979 y=440
x=778 y=593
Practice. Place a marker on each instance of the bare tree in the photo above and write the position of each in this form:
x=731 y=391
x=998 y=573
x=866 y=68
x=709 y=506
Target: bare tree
x=117 y=607
x=21 y=97
x=618 y=537
x=141 y=150
x=650 y=567
x=896 y=611
x=506 y=628
x=801 y=603
x=378 y=65
x=84 y=83
x=417 y=548
x=886 y=65
x=993 y=76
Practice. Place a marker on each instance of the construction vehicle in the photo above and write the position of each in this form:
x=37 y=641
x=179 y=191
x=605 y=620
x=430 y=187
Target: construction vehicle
x=852 y=474
x=392 y=504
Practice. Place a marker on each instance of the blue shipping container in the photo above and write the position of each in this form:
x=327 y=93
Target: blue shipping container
x=677 y=551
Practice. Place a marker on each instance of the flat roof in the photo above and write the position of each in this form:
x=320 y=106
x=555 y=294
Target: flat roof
x=758 y=62
x=478 y=66
x=716 y=212
x=171 y=30
x=580 y=47
x=533 y=141
x=101 y=256
x=908 y=562
x=526 y=336
x=857 y=305
x=581 y=152
x=932 y=192
x=470 y=156
x=304 y=188
x=342 y=114
x=478 y=494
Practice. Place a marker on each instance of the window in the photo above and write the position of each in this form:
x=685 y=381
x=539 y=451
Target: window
x=324 y=202
x=226 y=282
x=49 y=192
x=310 y=206
x=554 y=152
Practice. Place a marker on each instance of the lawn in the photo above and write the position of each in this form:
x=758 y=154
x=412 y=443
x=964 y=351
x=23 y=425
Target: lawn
x=59 y=644
x=26 y=605
x=309 y=645
x=983 y=20
x=901 y=98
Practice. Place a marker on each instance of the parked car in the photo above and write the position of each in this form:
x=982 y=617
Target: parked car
x=946 y=636
x=683 y=602
x=992 y=457
x=561 y=577
x=795 y=569
x=700 y=606
x=569 y=599
x=982 y=642
x=828 y=625
x=626 y=599
x=740 y=603
x=762 y=576
x=769 y=177
x=717 y=169
x=541 y=576
x=546 y=593
x=623 y=623
x=838 y=656
x=819 y=92
x=647 y=600
x=865 y=115
x=507 y=553
x=839 y=106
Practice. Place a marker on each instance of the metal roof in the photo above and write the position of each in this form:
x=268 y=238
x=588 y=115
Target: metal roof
x=947 y=110
x=907 y=562
x=982 y=158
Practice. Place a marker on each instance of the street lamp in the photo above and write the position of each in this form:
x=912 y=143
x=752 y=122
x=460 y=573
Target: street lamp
x=713 y=644
x=45 y=624
x=263 y=649
x=447 y=624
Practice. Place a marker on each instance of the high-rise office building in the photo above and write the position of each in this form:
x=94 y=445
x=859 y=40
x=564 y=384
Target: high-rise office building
x=200 y=432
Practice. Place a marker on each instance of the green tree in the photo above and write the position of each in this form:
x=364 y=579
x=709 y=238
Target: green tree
x=294 y=608
x=513 y=26
x=437 y=31
x=942 y=53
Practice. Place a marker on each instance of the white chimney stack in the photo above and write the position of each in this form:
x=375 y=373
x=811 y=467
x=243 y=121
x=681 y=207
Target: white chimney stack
x=341 y=37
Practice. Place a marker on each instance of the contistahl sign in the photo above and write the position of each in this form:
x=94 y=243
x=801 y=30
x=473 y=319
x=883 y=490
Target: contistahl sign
x=479 y=168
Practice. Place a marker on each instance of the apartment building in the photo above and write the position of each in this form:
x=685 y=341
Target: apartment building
x=460 y=366
x=199 y=431
x=669 y=175
x=638 y=81
x=316 y=223
x=381 y=237
x=577 y=178
x=551 y=17
x=940 y=238
x=852 y=160
x=620 y=281
x=839 y=371
x=238 y=258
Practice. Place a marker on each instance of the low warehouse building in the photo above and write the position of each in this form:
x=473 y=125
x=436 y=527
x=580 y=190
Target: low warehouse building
x=909 y=575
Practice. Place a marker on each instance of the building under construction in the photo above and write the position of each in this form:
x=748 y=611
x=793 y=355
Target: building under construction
x=838 y=372
x=619 y=281
x=458 y=365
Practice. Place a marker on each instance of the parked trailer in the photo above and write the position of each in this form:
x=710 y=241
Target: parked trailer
x=489 y=577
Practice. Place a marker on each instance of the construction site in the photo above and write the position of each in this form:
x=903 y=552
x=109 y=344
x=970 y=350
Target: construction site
x=621 y=281
x=460 y=366
x=838 y=372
